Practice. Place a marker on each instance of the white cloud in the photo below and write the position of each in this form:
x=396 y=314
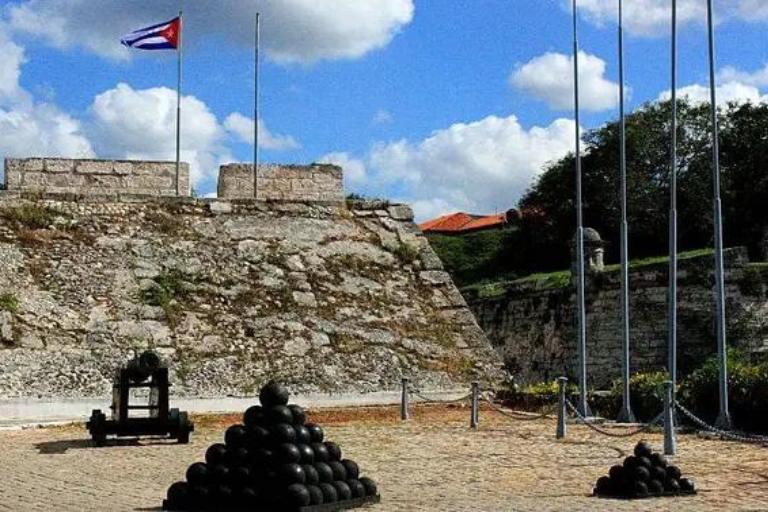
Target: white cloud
x=242 y=128
x=753 y=10
x=354 y=169
x=729 y=92
x=10 y=70
x=292 y=30
x=549 y=77
x=382 y=117
x=757 y=78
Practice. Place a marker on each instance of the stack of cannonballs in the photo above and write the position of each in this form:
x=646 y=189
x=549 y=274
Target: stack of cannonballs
x=642 y=475
x=274 y=461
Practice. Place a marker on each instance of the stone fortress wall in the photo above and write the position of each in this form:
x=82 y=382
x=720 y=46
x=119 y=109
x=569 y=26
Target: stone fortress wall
x=316 y=182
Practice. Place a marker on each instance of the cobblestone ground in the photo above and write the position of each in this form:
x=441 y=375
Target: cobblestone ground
x=431 y=463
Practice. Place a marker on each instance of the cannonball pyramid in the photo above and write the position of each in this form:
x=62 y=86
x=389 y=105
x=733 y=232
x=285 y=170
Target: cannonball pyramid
x=274 y=461
x=645 y=474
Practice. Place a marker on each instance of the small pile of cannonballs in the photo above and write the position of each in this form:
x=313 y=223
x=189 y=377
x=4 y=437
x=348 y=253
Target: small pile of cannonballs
x=642 y=475
x=274 y=460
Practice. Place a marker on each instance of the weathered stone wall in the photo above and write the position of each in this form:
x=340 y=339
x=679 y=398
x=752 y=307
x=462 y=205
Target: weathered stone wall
x=317 y=182
x=85 y=177
x=534 y=329
x=230 y=292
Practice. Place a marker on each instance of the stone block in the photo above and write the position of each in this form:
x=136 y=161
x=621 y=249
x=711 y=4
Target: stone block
x=400 y=212
x=93 y=166
x=59 y=165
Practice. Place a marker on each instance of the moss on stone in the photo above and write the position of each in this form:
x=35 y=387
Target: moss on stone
x=9 y=303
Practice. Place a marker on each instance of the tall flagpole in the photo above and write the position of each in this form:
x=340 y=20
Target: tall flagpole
x=178 y=107
x=583 y=408
x=625 y=415
x=672 y=291
x=256 y=108
x=724 y=417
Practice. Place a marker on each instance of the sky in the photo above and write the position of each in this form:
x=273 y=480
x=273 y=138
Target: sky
x=443 y=104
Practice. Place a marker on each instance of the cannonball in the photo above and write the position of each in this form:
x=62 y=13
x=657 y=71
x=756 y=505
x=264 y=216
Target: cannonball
x=339 y=471
x=178 y=495
x=334 y=450
x=258 y=436
x=287 y=453
x=357 y=488
x=253 y=416
x=302 y=434
x=278 y=414
x=313 y=477
x=324 y=471
x=330 y=495
x=603 y=486
x=643 y=449
x=640 y=490
x=236 y=436
x=370 y=486
x=149 y=360
x=687 y=485
x=198 y=474
x=263 y=457
x=273 y=393
x=315 y=495
x=641 y=474
x=291 y=474
x=216 y=454
x=239 y=456
x=316 y=432
x=616 y=472
x=297 y=495
x=307 y=454
x=658 y=473
x=247 y=497
x=299 y=416
x=199 y=495
x=321 y=452
x=343 y=490
x=644 y=462
x=672 y=485
x=283 y=433
x=220 y=474
x=655 y=487
x=222 y=494
x=240 y=476
x=353 y=470
x=630 y=462
x=658 y=459
x=673 y=472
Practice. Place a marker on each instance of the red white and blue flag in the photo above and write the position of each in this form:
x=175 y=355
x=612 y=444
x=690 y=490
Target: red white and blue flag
x=163 y=36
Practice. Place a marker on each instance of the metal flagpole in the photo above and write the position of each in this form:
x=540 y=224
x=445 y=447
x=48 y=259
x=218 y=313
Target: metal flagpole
x=723 y=419
x=256 y=108
x=672 y=291
x=582 y=330
x=625 y=415
x=178 y=108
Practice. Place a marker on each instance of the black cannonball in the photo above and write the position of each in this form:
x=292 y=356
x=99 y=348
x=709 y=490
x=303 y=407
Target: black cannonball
x=353 y=470
x=324 y=471
x=357 y=488
x=222 y=494
x=370 y=486
x=641 y=474
x=198 y=474
x=334 y=450
x=253 y=416
x=644 y=462
x=302 y=434
x=313 y=477
x=258 y=436
x=640 y=490
x=216 y=454
x=315 y=495
x=655 y=487
x=263 y=456
x=658 y=460
x=283 y=433
x=321 y=452
x=658 y=473
x=673 y=472
x=672 y=485
x=178 y=495
x=288 y=453
x=643 y=449
x=291 y=474
x=616 y=472
x=149 y=361
x=239 y=456
x=240 y=476
x=602 y=487
x=687 y=485
x=339 y=471
x=297 y=495
x=220 y=474
x=316 y=432
x=343 y=490
x=630 y=462
x=247 y=497
x=330 y=495
x=299 y=416
x=199 y=495
x=279 y=414
x=236 y=436
x=273 y=393
x=307 y=454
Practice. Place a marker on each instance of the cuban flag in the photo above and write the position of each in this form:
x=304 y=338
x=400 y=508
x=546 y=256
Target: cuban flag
x=163 y=36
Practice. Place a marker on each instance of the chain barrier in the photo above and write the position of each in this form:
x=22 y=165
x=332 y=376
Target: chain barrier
x=437 y=401
x=720 y=432
x=517 y=415
x=645 y=428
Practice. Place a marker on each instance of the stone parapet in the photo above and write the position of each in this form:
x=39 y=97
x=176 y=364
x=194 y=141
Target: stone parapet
x=316 y=182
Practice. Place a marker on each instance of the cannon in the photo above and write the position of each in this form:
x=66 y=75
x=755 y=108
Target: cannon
x=148 y=372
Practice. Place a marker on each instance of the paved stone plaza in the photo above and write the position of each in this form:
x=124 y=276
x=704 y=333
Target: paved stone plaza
x=432 y=463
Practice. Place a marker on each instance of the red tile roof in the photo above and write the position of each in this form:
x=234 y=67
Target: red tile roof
x=461 y=222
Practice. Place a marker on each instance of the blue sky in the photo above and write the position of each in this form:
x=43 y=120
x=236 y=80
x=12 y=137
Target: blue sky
x=445 y=104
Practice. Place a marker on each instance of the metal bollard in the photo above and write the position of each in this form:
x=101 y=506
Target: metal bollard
x=670 y=443
x=562 y=382
x=474 y=412
x=404 y=412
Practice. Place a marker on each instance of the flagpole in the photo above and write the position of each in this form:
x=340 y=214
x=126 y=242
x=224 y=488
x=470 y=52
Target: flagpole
x=583 y=408
x=256 y=109
x=672 y=299
x=625 y=415
x=178 y=106
x=723 y=418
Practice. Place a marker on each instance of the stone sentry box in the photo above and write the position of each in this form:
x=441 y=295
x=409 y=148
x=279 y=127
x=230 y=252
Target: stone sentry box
x=316 y=182
x=96 y=177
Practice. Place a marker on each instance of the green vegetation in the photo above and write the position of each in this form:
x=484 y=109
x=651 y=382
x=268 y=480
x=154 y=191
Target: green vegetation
x=165 y=223
x=406 y=253
x=478 y=256
x=168 y=291
x=30 y=216
x=9 y=303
